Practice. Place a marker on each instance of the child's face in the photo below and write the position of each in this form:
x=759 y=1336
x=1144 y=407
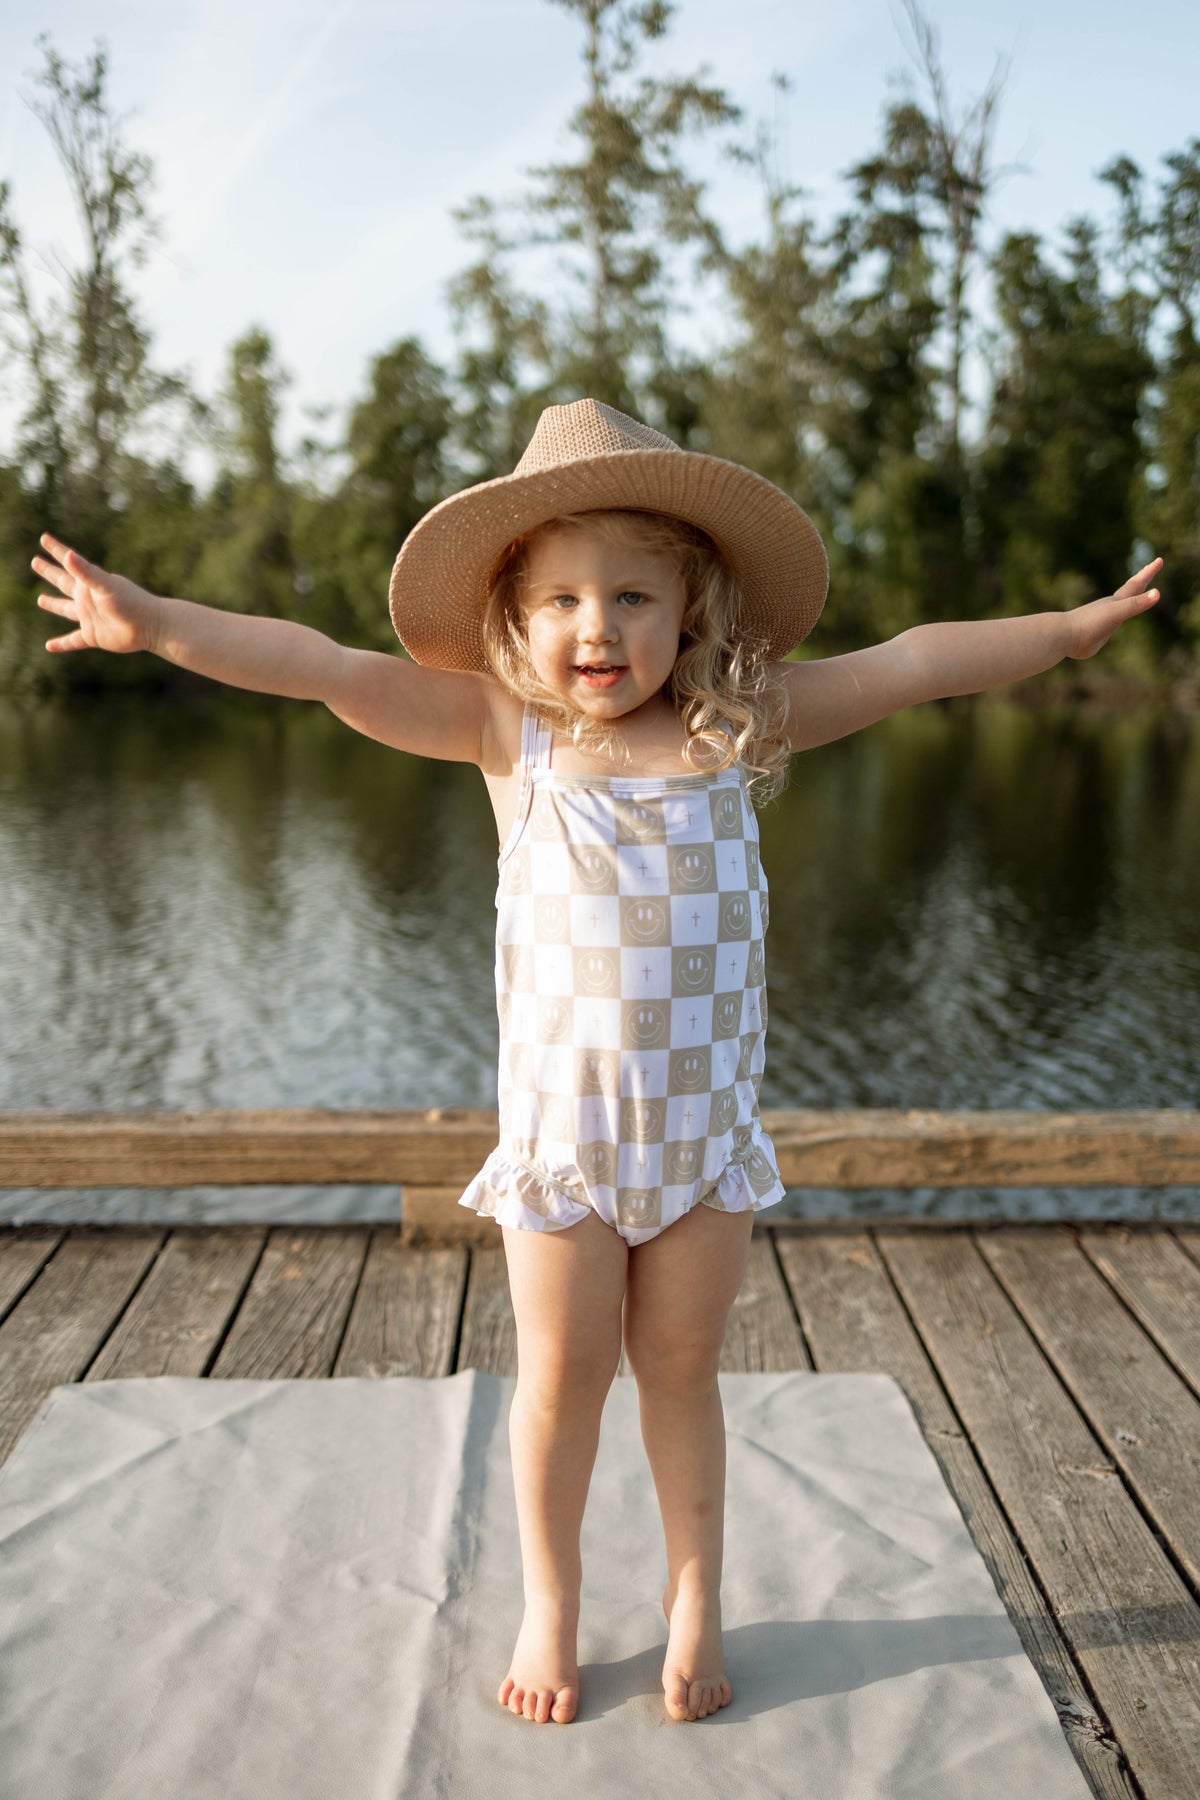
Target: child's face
x=590 y=606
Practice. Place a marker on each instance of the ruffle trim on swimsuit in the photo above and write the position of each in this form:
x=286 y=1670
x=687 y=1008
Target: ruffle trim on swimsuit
x=523 y=1198
x=514 y=1194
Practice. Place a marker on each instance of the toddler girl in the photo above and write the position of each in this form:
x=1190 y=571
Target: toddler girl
x=601 y=633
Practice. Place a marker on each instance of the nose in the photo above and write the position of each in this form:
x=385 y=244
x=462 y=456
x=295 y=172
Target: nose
x=596 y=622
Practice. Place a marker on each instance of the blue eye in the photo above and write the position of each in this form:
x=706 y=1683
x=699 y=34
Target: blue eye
x=633 y=594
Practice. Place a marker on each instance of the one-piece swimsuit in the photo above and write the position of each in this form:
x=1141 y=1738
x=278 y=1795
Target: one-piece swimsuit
x=630 y=988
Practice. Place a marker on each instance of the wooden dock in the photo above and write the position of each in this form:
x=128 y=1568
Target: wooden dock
x=1054 y=1372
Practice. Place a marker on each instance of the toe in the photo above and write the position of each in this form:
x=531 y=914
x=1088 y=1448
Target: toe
x=506 y=1688
x=545 y=1700
x=563 y=1710
x=675 y=1691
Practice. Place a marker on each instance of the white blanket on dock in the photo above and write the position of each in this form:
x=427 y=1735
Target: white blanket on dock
x=310 y=1590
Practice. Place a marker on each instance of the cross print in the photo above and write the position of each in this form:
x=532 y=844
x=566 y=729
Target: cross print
x=644 y=869
x=598 y=1115
x=689 y=815
x=695 y=918
x=596 y=1021
x=733 y=965
x=595 y=920
x=692 y=1021
x=733 y=862
x=646 y=970
x=645 y=1074
x=687 y=1117
x=754 y=1012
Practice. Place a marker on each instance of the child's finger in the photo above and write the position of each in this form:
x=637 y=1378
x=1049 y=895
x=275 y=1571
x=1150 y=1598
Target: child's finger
x=51 y=571
x=60 y=549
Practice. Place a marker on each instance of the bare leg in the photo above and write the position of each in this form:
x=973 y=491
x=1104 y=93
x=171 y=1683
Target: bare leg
x=681 y=1286
x=567 y=1289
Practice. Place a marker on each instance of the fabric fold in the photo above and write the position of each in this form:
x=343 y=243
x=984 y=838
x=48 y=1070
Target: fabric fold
x=523 y=1198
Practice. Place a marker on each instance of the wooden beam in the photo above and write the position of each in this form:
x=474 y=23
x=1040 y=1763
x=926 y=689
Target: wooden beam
x=444 y=1148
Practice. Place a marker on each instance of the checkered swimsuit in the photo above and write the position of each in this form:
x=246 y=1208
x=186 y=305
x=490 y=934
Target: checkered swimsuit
x=633 y=1010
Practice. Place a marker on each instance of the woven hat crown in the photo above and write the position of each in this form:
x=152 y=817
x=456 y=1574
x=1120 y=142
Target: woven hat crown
x=564 y=434
x=586 y=457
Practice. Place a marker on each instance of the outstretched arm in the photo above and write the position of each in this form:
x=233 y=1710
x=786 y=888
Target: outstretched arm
x=430 y=712
x=840 y=694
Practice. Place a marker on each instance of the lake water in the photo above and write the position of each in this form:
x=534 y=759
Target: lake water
x=233 y=901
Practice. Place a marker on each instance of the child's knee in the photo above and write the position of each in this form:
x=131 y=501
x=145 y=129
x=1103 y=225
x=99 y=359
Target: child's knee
x=664 y=1363
x=557 y=1373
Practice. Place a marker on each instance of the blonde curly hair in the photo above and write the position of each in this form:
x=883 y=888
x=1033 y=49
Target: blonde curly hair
x=719 y=675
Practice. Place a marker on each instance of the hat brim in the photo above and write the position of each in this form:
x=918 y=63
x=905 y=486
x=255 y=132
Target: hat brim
x=439 y=584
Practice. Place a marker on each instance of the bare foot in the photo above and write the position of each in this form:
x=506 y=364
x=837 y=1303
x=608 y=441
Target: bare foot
x=694 y=1679
x=543 y=1678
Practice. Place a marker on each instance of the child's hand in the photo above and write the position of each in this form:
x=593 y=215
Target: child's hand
x=1093 y=624
x=111 y=613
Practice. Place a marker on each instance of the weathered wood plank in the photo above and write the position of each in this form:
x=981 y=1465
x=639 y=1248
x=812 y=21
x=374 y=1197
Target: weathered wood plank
x=54 y=1332
x=1141 y=1411
x=1159 y=1282
x=1156 y=1278
x=290 y=1324
x=488 y=1339
x=1189 y=1237
x=854 y=1323
x=182 y=1310
x=405 y=1315
x=875 y=1147
x=762 y=1335
x=1132 y=1625
x=24 y=1252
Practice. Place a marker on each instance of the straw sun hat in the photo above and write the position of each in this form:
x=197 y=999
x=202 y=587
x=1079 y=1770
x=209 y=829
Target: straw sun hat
x=582 y=458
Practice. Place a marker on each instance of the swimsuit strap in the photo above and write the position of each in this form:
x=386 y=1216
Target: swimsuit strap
x=536 y=740
x=535 y=754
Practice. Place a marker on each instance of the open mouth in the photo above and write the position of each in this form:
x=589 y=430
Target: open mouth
x=600 y=668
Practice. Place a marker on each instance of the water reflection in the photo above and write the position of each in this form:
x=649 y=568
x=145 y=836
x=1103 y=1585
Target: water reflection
x=234 y=901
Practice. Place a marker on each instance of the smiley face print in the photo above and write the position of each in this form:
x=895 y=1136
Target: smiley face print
x=629 y=936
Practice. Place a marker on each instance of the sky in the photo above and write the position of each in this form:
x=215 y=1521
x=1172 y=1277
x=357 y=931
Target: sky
x=308 y=153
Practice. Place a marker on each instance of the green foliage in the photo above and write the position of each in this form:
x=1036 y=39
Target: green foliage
x=246 y=561
x=397 y=442
x=1164 y=250
x=610 y=213
x=839 y=376
x=1057 y=472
